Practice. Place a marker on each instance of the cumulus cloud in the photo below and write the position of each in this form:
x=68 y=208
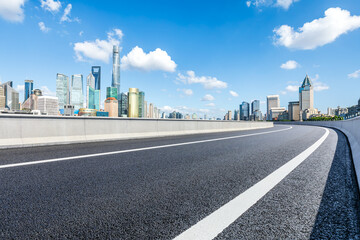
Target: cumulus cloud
x=355 y=74
x=318 y=32
x=187 y=92
x=65 y=17
x=207 y=82
x=51 y=5
x=285 y=4
x=234 y=94
x=289 y=65
x=12 y=10
x=43 y=28
x=208 y=97
x=47 y=92
x=99 y=49
x=152 y=61
x=319 y=86
x=292 y=88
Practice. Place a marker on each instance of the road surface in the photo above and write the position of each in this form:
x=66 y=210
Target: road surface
x=286 y=182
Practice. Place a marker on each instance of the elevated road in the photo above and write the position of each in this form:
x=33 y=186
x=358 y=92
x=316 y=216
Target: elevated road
x=287 y=182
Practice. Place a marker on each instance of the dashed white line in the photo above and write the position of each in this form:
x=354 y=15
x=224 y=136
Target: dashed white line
x=216 y=222
x=133 y=150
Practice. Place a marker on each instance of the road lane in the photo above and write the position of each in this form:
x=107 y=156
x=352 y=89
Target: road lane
x=153 y=194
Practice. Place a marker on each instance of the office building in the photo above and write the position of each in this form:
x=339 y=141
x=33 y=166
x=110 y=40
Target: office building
x=62 y=90
x=142 y=105
x=244 y=111
x=146 y=114
x=48 y=105
x=194 y=116
x=151 y=110
x=11 y=96
x=294 y=111
x=133 y=97
x=97 y=96
x=76 y=91
x=306 y=99
x=124 y=106
x=69 y=110
x=111 y=106
x=96 y=72
x=2 y=98
x=255 y=106
x=229 y=115
x=112 y=92
x=90 y=91
x=275 y=112
x=273 y=101
x=116 y=70
x=29 y=86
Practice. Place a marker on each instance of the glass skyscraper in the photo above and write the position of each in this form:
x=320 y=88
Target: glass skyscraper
x=29 y=87
x=141 y=105
x=111 y=92
x=116 y=70
x=11 y=96
x=97 y=99
x=96 y=72
x=62 y=89
x=76 y=91
x=133 y=110
x=90 y=91
x=255 y=106
x=245 y=111
x=123 y=105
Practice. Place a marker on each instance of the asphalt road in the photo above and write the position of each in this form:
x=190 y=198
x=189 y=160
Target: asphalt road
x=161 y=192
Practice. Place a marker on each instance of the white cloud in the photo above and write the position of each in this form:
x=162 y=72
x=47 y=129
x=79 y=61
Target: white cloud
x=51 y=5
x=289 y=65
x=43 y=28
x=99 y=49
x=65 y=16
x=234 y=94
x=318 y=32
x=207 y=82
x=47 y=92
x=292 y=88
x=12 y=10
x=152 y=61
x=187 y=92
x=208 y=97
x=210 y=105
x=285 y=4
x=20 y=88
x=355 y=74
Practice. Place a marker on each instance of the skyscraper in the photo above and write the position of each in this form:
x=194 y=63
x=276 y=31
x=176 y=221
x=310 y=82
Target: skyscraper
x=245 y=111
x=151 y=110
x=90 y=91
x=255 y=106
x=76 y=91
x=2 y=98
x=133 y=103
x=48 y=105
x=62 y=90
x=29 y=86
x=111 y=106
x=142 y=105
x=11 y=96
x=112 y=92
x=116 y=70
x=123 y=105
x=273 y=101
x=306 y=94
x=96 y=72
x=294 y=111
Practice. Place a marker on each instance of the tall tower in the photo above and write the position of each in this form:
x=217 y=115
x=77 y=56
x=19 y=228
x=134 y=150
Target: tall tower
x=306 y=94
x=62 y=89
x=116 y=70
x=273 y=101
x=76 y=91
x=90 y=91
x=29 y=87
x=133 y=103
x=96 y=72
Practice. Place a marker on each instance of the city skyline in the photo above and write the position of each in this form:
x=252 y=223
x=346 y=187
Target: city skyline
x=178 y=82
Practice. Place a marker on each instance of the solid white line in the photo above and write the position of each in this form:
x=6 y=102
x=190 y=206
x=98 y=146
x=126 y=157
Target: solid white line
x=133 y=150
x=216 y=222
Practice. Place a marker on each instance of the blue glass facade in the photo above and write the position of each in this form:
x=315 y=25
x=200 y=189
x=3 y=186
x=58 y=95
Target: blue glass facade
x=245 y=111
x=29 y=87
x=116 y=70
x=96 y=72
x=255 y=106
x=76 y=91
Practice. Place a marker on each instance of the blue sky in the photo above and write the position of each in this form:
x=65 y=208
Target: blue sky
x=191 y=56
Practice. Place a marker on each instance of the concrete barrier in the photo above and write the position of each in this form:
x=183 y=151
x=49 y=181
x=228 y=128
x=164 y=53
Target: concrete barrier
x=29 y=130
x=351 y=128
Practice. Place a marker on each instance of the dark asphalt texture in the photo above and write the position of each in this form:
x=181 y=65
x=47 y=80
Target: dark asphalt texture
x=159 y=193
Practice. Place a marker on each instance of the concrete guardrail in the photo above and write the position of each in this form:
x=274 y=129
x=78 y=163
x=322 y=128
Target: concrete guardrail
x=351 y=128
x=23 y=131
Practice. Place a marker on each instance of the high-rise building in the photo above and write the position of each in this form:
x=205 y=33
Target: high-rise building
x=76 y=91
x=111 y=106
x=29 y=86
x=245 y=111
x=90 y=91
x=112 y=92
x=229 y=115
x=255 y=106
x=97 y=96
x=146 y=113
x=273 y=101
x=11 y=96
x=116 y=70
x=294 y=111
x=156 y=112
x=62 y=90
x=48 y=105
x=306 y=94
x=2 y=98
x=151 y=110
x=275 y=112
x=142 y=105
x=124 y=106
x=133 y=103
x=96 y=72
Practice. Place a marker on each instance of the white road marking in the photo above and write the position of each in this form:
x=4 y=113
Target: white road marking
x=216 y=222
x=132 y=150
